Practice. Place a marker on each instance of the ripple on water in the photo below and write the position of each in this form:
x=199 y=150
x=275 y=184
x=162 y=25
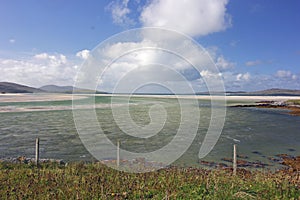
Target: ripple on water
x=259 y=134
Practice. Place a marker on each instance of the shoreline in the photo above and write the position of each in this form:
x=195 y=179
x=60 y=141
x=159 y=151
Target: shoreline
x=35 y=97
x=294 y=110
x=286 y=161
x=231 y=101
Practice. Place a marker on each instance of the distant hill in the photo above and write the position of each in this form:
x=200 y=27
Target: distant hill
x=67 y=89
x=7 y=87
x=276 y=92
x=268 y=92
x=57 y=89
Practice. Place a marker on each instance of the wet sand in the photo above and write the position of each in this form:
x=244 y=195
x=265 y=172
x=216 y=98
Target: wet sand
x=61 y=97
x=208 y=97
x=37 y=97
x=231 y=100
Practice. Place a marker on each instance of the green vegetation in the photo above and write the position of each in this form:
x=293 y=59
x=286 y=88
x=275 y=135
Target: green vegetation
x=294 y=101
x=96 y=181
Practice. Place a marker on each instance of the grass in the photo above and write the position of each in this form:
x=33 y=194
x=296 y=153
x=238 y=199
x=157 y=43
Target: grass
x=96 y=181
x=294 y=101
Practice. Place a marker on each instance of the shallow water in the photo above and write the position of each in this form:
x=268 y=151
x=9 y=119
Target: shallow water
x=266 y=132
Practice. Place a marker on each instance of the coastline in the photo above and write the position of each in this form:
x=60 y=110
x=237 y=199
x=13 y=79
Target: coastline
x=287 y=162
x=33 y=97
x=232 y=101
x=294 y=109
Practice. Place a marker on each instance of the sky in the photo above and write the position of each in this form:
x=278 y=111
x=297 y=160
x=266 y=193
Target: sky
x=254 y=43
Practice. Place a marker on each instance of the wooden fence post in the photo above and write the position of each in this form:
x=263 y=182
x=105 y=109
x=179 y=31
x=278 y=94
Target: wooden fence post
x=118 y=153
x=234 y=160
x=37 y=151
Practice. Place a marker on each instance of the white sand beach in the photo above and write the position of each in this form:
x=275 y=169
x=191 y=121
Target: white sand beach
x=62 y=97
x=37 y=97
x=13 y=98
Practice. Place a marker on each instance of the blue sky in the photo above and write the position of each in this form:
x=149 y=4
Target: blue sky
x=255 y=42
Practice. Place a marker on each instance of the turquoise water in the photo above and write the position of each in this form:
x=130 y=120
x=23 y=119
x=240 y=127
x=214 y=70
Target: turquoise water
x=266 y=132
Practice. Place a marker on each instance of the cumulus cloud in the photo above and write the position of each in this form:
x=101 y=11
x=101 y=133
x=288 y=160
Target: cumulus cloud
x=120 y=11
x=224 y=64
x=286 y=74
x=146 y=59
x=221 y=62
x=83 y=54
x=38 y=70
x=243 y=77
x=41 y=56
x=193 y=17
x=267 y=81
x=51 y=60
x=144 y=65
x=294 y=77
x=253 y=63
x=152 y=59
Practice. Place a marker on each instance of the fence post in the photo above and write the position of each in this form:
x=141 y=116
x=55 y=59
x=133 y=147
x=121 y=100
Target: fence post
x=118 y=153
x=234 y=159
x=37 y=151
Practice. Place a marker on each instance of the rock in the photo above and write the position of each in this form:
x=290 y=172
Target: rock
x=257 y=152
x=273 y=159
x=242 y=156
x=291 y=149
x=284 y=155
x=245 y=163
x=222 y=165
x=207 y=163
x=227 y=159
x=292 y=163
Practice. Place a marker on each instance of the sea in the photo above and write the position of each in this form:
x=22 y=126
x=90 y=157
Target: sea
x=259 y=134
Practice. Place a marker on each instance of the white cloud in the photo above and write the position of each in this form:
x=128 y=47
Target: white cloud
x=243 y=77
x=265 y=81
x=208 y=74
x=83 y=54
x=12 y=41
x=221 y=62
x=120 y=11
x=136 y=58
x=224 y=64
x=192 y=17
x=286 y=74
x=38 y=70
x=253 y=63
x=148 y=60
x=141 y=65
x=41 y=56
x=51 y=60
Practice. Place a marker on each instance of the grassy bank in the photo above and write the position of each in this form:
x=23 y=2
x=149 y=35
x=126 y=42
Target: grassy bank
x=96 y=181
x=294 y=101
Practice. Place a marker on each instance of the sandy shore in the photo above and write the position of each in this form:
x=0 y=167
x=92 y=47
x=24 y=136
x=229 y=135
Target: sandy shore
x=208 y=97
x=7 y=98
x=62 y=97
x=37 y=97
